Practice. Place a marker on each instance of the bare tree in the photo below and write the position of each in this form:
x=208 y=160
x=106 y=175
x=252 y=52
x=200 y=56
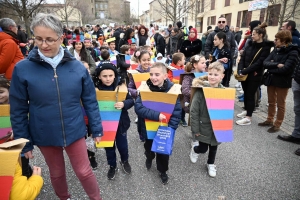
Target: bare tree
x=24 y=9
x=68 y=8
x=289 y=10
x=174 y=10
x=87 y=15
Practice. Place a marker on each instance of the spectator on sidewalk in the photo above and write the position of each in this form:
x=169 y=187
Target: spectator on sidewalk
x=280 y=64
x=9 y=48
x=238 y=34
x=160 y=42
x=22 y=39
x=191 y=46
x=222 y=27
x=295 y=137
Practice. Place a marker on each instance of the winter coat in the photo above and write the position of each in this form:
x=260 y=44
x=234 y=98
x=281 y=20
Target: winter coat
x=10 y=54
x=122 y=66
x=200 y=120
x=160 y=44
x=142 y=40
x=210 y=40
x=116 y=35
x=238 y=36
x=21 y=36
x=289 y=56
x=186 y=90
x=174 y=43
x=296 y=37
x=204 y=37
x=122 y=42
x=124 y=122
x=131 y=85
x=47 y=109
x=224 y=52
x=190 y=49
x=90 y=60
x=257 y=64
x=23 y=188
x=146 y=113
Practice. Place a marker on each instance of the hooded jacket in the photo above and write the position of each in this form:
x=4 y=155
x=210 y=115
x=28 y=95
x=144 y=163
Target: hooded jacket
x=146 y=113
x=296 y=37
x=190 y=49
x=204 y=37
x=209 y=41
x=257 y=64
x=10 y=54
x=54 y=103
x=289 y=56
x=174 y=43
x=200 y=120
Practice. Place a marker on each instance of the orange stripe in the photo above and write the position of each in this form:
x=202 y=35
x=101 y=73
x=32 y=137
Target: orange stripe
x=222 y=124
x=109 y=136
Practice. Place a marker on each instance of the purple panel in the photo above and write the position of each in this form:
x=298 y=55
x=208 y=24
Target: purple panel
x=224 y=136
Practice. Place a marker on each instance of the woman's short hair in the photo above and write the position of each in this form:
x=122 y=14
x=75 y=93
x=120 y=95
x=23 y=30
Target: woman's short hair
x=48 y=21
x=284 y=36
x=5 y=23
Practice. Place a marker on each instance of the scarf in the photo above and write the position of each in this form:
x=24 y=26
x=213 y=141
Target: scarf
x=192 y=39
x=12 y=34
x=55 y=60
x=154 y=88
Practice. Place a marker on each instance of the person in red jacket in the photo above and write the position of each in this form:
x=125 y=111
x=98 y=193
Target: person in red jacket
x=9 y=48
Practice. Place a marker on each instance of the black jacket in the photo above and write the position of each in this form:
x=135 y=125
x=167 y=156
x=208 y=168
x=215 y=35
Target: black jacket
x=160 y=43
x=257 y=64
x=210 y=40
x=193 y=48
x=224 y=52
x=289 y=56
x=22 y=36
x=122 y=66
x=238 y=36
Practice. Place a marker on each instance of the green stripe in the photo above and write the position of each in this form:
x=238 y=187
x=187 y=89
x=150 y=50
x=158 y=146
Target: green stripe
x=107 y=106
x=5 y=122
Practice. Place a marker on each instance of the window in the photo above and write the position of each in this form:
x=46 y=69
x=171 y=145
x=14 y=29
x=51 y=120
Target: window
x=105 y=6
x=91 y=1
x=238 y=21
x=273 y=15
x=92 y=10
x=228 y=19
x=262 y=14
x=213 y=20
x=242 y=1
x=212 y=5
x=246 y=18
x=208 y=21
x=202 y=5
x=96 y=5
x=101 y=6
x=227 y=2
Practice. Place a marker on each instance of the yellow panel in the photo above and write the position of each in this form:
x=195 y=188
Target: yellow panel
x=9 y=160
x=219 y=93
x=153 y=126
x=141 y=77
x=105 y=144
x=159 y=97
x=4 y=110
x=103 y=95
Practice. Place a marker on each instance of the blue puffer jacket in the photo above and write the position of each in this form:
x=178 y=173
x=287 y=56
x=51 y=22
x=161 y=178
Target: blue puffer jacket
x=53 y=103
x=146 y=113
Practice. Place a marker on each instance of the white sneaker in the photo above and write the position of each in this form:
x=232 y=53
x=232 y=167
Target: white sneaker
x=193 y=156
x=239 y=88
x=212 y=171
x=243 y=122
x=136 y=120
x=237 y=85
x=242 y=114
x=241 y=91
x=196 y=143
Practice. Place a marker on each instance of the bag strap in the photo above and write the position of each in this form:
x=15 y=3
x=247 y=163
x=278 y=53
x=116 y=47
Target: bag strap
x=255 y=56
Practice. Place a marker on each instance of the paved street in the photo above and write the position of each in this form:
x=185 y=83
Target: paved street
x=255 y=166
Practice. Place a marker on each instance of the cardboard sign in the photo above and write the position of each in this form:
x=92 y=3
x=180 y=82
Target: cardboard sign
x=175 y=73
x=220 y=105
x=113 y=59
x=9 y=156
x=5 y=125
x=158 y=101
x=139 y=77
x=127 y=59
x=110 y=116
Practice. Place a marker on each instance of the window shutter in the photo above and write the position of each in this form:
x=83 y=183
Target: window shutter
x=238 y=21
x=227 y=2
x=262 y=15
x=208 y=21
x=241 y=1
x=212 y=4
x=276 y=14
x=249 y=15
x=228 y=19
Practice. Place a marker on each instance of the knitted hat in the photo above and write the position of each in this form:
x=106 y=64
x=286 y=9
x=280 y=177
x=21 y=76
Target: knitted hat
x=106 y=65
x=254 y=24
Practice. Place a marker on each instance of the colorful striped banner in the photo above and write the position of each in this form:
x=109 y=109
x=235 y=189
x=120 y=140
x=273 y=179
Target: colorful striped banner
x=139 y=77
x=220 y=105
x=158 y=101
x=127 y=59
x=110 y=116
x=5 y=125
x=113 y=59
x=175 y=73
x=199 y=74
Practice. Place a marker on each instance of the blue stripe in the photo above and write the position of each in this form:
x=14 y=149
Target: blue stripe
x=220 y=114
x=110 y=116
x=151 y=135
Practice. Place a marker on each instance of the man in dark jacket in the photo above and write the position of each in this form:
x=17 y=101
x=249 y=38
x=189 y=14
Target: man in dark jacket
x=238 y=34
x=222 y=26
x=160 y=42
x=295 y=137
x=22 y=39
x=116 y=35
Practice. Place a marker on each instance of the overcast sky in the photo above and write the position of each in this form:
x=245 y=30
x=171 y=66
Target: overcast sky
x=144 y=5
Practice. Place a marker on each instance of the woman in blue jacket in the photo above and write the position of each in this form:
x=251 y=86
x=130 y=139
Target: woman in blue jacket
x=46 y=94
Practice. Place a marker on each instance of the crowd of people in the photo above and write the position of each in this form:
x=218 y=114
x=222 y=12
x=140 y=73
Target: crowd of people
x=73 y=63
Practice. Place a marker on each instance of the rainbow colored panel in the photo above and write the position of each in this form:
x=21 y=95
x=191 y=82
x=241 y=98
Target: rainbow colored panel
x=199 y=74
x=176 y=75
x=138 y=78
x=161 y=102
x=220 y=105
x=127 y=59
x=113 y=59
x=110 y=116
x=5 y=125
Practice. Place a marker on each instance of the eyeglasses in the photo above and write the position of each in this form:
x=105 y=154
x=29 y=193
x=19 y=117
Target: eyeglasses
x=49 y=41
x=223 y=22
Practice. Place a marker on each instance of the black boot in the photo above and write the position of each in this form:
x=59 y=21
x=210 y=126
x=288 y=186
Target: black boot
x=26 y=168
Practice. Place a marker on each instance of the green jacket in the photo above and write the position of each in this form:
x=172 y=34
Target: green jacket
x=200 y=120
x=90 y=60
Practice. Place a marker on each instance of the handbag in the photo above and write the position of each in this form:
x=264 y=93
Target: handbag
x=163 y=140
x=243 y=78
x=266 y=79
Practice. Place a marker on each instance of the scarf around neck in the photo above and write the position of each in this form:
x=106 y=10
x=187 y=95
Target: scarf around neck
x=55 y=60
x=154 y=88
x=192 y=39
